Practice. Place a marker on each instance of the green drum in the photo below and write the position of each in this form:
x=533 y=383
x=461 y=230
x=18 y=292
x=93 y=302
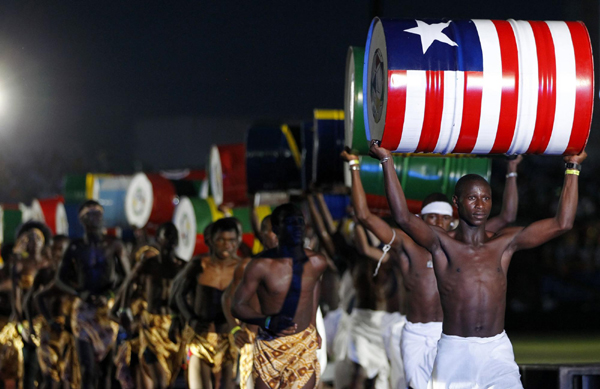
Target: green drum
x=423 y=175
x=11 y=220
x=243 y=215
x=354 y=123
x=75 y=188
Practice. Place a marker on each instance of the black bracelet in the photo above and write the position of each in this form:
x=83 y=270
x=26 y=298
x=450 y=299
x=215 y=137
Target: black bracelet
x=573 y=165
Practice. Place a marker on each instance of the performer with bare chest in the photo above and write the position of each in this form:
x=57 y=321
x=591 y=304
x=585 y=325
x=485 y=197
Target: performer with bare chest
x=424 y=316
x=470 y=265
x=159 y=357
x=287 y=282
x=244 y=334
x=213 y=355
x=92 y=269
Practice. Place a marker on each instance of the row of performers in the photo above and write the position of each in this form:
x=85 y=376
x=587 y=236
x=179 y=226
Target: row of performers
x=80 y=311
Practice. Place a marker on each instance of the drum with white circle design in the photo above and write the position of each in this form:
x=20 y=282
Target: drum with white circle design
x=227 y=174
x=478 y=86
x=150 y=199
x=191 y=217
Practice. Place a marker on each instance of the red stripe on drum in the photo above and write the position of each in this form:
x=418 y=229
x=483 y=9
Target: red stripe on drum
x=584 y=98
x=471 y=113
x=394 y=117
x=434 y=107
x=546 y=106
x=163 y=204
x=510 y=87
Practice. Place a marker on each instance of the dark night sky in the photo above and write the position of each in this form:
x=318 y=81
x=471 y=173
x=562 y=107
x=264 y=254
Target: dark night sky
x=82 y=75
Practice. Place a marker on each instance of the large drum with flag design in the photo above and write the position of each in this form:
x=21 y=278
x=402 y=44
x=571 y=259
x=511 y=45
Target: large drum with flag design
x=479 y=86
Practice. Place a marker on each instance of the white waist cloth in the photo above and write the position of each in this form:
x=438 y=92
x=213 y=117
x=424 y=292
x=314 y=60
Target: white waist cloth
x=365 y=345
x=322 y=352
x=419 y=348
x=475 y=363
x=392 y=326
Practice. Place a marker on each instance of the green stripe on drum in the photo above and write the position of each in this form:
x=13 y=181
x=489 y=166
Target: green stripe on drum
x=74 y=188
x=356 y=137
x=12 y=218
x=243 y=215
x=421 y=176
x=203 y=213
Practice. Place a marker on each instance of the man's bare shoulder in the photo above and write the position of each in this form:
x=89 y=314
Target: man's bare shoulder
x=444 y=235
x=318 y=260
x=258 y=261
x=256 y=267
x=404 y=240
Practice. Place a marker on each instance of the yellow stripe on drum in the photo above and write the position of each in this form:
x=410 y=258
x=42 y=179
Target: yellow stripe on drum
x=328 y=114
x=214 y=210
x=89 y=186
x=262 y=211
x=293 y=146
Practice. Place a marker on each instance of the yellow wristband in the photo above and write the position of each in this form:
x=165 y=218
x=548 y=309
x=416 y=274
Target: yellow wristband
x=572 y=171
x=353 y=162
x=235 y=329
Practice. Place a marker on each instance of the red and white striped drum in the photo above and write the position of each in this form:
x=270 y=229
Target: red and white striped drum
x=53 y=214
x=34 y=212
x=227 y=174
x=479 y=86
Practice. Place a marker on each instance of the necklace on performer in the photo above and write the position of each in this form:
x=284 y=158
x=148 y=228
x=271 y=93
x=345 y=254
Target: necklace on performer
x=430 y=263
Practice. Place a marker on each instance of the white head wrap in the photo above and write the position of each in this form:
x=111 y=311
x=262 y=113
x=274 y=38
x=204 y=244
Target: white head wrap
x=439 y=207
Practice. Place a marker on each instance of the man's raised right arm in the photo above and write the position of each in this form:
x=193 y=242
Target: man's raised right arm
x=373 y=223
x=416 y=228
